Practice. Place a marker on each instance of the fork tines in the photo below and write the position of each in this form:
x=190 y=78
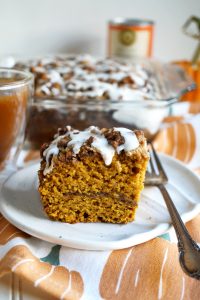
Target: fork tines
x=155 y=163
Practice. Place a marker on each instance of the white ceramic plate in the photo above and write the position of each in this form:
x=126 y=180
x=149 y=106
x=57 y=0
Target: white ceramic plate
x=20 y=204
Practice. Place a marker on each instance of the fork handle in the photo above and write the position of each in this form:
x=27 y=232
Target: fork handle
x=189 y=252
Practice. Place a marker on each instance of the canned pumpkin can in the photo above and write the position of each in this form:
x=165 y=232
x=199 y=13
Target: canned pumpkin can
x=129 y=38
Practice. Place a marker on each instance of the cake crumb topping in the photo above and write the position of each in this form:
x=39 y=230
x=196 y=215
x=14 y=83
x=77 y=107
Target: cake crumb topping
x=84 y=77
x=105 y=141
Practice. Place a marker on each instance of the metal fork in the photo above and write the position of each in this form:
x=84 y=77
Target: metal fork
x=189 y=251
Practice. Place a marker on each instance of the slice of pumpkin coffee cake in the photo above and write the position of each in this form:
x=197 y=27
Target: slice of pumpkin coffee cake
x=94 y=175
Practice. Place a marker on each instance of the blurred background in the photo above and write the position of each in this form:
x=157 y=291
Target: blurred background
x=58 y=26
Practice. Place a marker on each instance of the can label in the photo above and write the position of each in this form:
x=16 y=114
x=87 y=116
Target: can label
x=130 y=41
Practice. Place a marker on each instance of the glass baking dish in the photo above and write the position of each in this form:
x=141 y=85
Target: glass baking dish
x=48 y=113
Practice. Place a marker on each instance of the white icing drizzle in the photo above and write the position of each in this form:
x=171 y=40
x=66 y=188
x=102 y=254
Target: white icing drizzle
x=51 y=150
x=45 y=89
x=55 y=77
x=131 y=141
x=100 y=143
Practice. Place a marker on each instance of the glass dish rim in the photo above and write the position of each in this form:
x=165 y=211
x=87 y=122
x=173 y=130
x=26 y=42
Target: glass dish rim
x=28 y=77
x=59 y=102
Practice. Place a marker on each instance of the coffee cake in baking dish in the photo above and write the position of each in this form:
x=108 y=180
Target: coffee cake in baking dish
x=83 y=77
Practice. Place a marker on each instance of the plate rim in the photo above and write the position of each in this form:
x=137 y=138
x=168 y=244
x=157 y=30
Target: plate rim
x=133 y=240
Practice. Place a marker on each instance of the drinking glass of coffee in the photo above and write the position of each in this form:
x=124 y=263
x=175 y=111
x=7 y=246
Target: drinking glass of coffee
x=16 y=90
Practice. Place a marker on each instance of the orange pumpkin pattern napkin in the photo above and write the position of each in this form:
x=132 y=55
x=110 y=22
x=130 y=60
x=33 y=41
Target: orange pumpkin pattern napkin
x=147 y=271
